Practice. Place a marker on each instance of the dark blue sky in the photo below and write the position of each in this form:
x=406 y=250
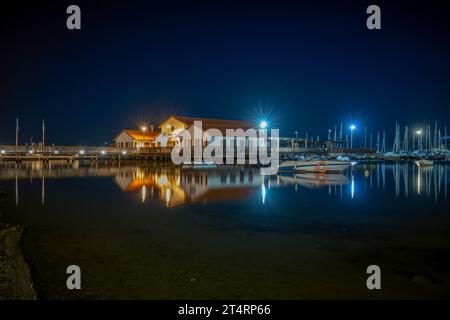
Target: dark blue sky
x=306 y=65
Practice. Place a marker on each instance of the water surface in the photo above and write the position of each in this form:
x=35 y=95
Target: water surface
x=158 y=232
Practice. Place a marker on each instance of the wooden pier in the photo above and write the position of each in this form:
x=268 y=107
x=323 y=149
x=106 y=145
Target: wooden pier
x=71 y=153
x=94 y=154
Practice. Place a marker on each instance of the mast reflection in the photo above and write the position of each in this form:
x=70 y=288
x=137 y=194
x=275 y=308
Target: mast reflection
x=174 y=186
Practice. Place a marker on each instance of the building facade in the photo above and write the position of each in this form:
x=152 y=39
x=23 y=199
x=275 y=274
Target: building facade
x=136 y=139
x=171 y=131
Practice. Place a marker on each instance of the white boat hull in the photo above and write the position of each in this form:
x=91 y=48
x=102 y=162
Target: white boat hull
x=320 y=166
x=424 y=163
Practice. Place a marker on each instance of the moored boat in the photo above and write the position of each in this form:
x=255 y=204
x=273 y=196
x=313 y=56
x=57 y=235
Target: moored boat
x=317 y=166
x=199 y=166
x=424 y=163
x=315 y=180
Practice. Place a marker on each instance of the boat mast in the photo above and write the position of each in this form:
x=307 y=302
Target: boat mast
x=43 y=134
x=378 y=142
x=445 y=139
x=405 y=140
x=17 y=132
x=365 y=138
x=435 y=142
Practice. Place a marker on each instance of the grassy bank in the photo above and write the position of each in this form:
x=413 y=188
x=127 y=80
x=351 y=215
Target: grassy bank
x=15 y=279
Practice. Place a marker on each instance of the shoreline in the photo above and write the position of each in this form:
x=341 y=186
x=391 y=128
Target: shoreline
x=15 y=277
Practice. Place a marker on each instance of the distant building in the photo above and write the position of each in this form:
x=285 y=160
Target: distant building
x=136 y=139
x=171 y=129
x=175 y=125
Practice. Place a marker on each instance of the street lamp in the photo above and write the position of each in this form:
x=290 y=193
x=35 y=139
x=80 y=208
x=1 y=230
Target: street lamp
x=419 y=139
x=144 y=129
x=263 y=124
x=352 y=128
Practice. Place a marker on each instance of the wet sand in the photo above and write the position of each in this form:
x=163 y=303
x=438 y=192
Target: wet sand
x=215 y=260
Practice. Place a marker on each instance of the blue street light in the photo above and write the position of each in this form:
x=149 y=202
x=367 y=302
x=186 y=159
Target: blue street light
x=352 y=128
x=263 y=124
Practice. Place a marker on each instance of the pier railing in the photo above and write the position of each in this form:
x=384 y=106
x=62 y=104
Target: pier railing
x=80 y=152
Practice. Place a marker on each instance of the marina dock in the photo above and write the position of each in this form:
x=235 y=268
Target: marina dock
x=71 y=153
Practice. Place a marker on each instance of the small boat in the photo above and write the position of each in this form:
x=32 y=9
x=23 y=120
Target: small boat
x=199 y=166
x=315 y=180
x=424 y=163
x=317 y=166
x=343 y=158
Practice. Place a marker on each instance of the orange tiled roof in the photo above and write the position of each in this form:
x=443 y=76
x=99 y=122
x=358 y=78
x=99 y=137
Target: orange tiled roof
x=139 y=135
x=220 y=124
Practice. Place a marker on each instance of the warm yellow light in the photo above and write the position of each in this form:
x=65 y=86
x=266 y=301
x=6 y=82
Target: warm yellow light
x=144 y=128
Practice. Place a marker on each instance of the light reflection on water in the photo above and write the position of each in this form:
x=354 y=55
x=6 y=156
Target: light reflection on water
x=241 y=234
x=175 y=187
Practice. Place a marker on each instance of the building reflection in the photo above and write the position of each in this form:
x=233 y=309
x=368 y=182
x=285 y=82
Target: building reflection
x=173 y=186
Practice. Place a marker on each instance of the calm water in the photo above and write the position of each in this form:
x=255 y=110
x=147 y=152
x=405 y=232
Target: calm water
x=159 y=232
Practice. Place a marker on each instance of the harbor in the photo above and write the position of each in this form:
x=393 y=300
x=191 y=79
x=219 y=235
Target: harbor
x=159 y=216
x=225 y=159
x=157 y=144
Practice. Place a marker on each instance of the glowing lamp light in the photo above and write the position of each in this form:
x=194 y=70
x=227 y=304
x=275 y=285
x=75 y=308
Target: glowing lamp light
x=352 y=127
x=263 y=193
x=82 y=152
x=3 y=152
x=124 y=152
x=103 y=151
x=263 y=124
x=31 y=151
x=144 y=128
x=419 y=132
x=56 y=151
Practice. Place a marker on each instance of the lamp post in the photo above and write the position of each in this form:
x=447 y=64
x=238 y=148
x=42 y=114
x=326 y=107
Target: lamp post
x=144 y=129
x=352 y=128
x=419 y=139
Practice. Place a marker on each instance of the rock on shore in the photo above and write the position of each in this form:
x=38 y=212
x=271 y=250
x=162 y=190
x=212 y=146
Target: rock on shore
x=15 y=278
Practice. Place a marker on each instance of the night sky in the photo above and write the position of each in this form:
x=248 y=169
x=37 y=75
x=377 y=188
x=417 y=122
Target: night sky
x=304 y=65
